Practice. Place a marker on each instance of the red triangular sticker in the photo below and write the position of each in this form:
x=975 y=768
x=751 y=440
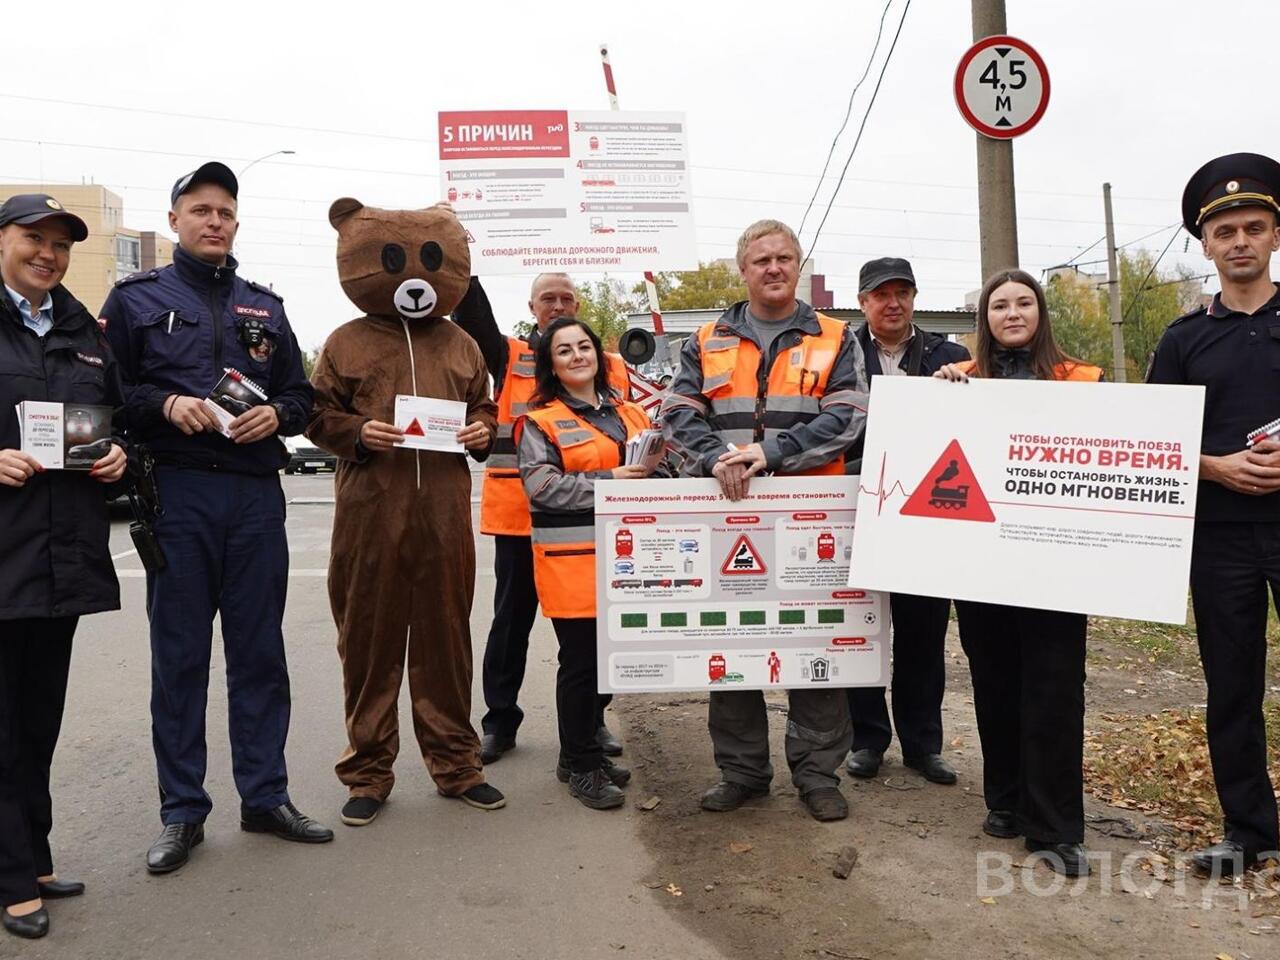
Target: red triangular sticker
x=743 y=559
x=949 y=491
x=414 y=429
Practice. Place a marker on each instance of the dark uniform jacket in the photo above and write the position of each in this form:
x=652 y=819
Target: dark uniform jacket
x=54 y=529
x=926 y=355
x=174 y=330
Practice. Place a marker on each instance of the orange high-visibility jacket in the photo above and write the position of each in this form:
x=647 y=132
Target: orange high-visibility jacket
x=503 y=507
x=745 y=406
x=1071 y=370
x=564 y=544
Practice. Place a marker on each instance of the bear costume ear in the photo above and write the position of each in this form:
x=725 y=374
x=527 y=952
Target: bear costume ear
x=342 y=208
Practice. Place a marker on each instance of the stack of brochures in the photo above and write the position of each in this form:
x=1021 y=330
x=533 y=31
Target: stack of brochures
x=646 y=449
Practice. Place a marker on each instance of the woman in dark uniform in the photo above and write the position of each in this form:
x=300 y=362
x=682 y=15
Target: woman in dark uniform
x=53 y=537
x=1027 y=665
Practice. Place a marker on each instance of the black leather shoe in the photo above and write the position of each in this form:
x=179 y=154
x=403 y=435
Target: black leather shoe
x=727 y=795
x=1225 y=859
x=30 y=926
x=493 y=746
x=825 y=804
x=286 y=823
x=1068 y=859
x=596 y=790
x=59 y=889
x=1001 y=823
x=864 y=764
x=618 y=775
x=610 y=744
x=173 y=847
x=932 y=767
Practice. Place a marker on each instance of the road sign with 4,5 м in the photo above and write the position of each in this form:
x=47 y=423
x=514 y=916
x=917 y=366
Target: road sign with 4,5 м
x=1002 y=87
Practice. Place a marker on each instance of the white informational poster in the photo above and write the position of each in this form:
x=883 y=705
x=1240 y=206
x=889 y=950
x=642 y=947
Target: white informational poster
x=1057 y=495
x=567 y=190
x=430 y=424
x=695 y=592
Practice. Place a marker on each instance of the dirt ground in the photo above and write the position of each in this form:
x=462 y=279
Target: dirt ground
x=927 y=882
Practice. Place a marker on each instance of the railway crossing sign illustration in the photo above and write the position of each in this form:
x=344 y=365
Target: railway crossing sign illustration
x=949 y=491
x=1002 y=87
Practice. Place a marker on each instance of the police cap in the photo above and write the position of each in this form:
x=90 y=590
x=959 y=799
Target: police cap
x=34 y=207
x=211 y=172
x=1236 y=180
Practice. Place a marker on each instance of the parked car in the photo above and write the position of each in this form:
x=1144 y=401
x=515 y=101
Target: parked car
x=305 y=457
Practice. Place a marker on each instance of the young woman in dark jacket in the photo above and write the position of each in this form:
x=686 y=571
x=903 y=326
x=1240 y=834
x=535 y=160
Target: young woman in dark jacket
x=53 y=538
x=1027 y=664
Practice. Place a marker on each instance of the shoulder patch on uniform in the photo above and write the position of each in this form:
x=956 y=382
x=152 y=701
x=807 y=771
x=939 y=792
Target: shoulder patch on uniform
x=262 y=288
x=566 y=424
x=1198 y=311
x=137 y=277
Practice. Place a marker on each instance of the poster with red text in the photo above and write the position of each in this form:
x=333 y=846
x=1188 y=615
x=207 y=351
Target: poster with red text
x=1062 y=496
x=697 y=592
x=573 y=191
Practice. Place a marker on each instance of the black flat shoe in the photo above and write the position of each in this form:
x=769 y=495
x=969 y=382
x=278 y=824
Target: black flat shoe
x=483 y=796
x=285 y=822
x=932 y=767
x=360 y=811
x=864 y=764
x=1068 y=859
x=1001 y=823
x=59 y=889
x=618 y=775
x=1225 y=859
x=173 y=847
x=728 y=795
x=493 y=746
x=30 y=926
x=610 y=744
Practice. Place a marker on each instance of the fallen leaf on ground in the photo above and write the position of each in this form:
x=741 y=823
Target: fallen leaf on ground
x=650 y=804
x=989 y=901
x=675 y=891
x=739 y=847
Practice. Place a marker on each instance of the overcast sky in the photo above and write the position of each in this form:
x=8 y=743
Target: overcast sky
x=1142 y=94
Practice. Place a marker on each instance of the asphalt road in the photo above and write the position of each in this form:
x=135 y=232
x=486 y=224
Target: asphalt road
x=543 y=878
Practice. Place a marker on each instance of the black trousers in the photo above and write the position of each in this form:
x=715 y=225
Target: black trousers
x=35 y=656
x=578 y=705
x=506 y=652
x=919 y=680
x=1028 y=692
x=1232 y=567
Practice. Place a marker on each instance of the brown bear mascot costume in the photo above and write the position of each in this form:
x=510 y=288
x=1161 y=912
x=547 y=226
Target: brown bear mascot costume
x=402 y=565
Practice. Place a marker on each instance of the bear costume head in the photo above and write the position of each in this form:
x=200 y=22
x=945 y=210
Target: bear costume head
x=411 y=263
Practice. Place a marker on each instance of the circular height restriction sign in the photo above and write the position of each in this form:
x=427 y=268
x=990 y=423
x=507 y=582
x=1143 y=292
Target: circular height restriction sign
x=1002 y=87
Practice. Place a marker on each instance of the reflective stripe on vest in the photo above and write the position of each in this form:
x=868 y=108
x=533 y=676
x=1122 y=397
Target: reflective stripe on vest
x=564 y=544
x=503 y=507
x=1069 y=370
x=747 y=407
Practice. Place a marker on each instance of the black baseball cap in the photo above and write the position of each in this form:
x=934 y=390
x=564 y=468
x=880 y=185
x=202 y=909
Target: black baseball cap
x=876 y=272
x=34 y=207
x=1236 y=180
x=211 y=172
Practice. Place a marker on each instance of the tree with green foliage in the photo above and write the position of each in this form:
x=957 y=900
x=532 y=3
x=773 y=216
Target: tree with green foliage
x=1080 y=322
x=711 y=286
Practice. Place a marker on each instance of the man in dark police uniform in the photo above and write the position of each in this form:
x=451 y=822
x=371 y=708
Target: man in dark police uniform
x=174 y=331
x=1232 y=347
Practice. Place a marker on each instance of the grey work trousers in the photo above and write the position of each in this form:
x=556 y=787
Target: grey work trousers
x=819 y=735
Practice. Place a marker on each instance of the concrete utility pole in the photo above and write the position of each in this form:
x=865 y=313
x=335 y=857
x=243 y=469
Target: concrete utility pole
x=1113 y=285
x=997 y=207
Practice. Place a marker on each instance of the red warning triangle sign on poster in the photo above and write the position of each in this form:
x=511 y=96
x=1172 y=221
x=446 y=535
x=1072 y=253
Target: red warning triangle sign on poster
x=414 y=429
x=949 y=491
x=743 y=558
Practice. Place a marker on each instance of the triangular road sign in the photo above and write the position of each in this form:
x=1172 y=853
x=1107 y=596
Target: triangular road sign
x=414 y=429
x=743 y=558
x=949 y=491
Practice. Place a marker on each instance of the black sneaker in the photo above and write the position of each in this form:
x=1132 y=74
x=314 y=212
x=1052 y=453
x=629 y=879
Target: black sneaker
x=595 y=790
x=483 y=796
x=619 y=775
x=360 y=811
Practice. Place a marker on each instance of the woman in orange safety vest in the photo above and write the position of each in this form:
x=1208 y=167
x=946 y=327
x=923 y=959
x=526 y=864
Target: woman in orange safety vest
x=1027 y=665
x=574 y=434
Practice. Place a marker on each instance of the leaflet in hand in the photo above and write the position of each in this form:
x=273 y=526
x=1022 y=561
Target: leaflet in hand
x=646 y=449
x=430 y=424
x=65 y=436
x=231 y=396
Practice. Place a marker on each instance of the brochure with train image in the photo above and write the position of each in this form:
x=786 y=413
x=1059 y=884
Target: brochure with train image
x=65 y=436
x=233 y=395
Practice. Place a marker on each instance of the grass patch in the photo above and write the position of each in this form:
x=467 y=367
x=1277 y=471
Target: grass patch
x=1159 y=764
